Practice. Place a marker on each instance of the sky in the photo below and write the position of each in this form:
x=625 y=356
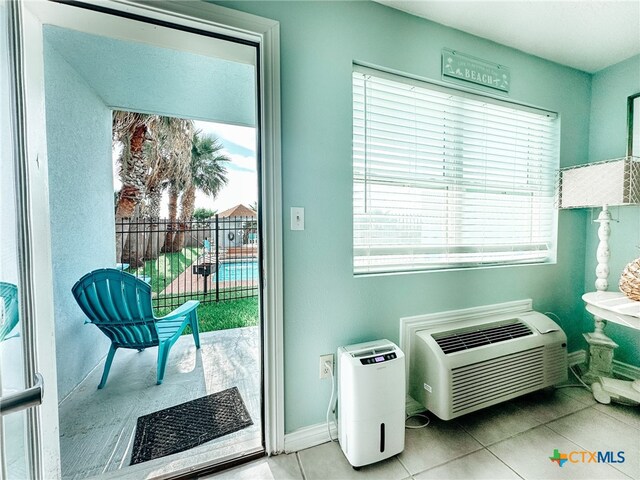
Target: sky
x=242 y=186
x=240 y=146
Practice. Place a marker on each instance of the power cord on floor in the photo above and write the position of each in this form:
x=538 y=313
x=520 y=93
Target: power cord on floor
x=328 y=365
x=415 y=427
x=581 y=384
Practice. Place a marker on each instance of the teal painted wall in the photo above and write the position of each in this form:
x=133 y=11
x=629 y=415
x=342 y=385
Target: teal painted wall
x=608 y=116
x=608 y=139
x=82 y=229
x=324 y=305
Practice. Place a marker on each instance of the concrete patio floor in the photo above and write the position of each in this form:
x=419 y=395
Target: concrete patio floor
x=97 y=427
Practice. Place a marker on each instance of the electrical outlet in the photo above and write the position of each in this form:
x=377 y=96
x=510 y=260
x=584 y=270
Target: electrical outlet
x=325 y=370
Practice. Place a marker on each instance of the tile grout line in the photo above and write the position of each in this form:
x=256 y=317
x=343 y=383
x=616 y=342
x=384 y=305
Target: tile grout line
x=575 y=442
x=304 y=477
x=478 y=440
x=448 y=461
x=402 y=463
x=611 y=416
x=505 y=464
x=560 y=389
x=541 y=424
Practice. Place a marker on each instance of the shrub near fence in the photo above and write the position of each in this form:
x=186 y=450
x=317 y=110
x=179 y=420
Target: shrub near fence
x=211 y=261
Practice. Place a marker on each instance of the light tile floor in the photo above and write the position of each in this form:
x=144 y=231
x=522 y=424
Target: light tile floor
x=508 y=441
x=97 y=426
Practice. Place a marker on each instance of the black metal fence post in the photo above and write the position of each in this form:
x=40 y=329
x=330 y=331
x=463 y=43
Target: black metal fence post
x=176 y=275
x=217 y=267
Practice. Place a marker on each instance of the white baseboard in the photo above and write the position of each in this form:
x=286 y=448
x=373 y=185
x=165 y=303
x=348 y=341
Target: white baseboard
x=620 y=369
x=307 y=437
x=577 y=357
x=625 y=370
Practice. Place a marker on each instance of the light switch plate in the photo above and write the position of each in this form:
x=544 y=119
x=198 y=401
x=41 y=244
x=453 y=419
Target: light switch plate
x=297 y=218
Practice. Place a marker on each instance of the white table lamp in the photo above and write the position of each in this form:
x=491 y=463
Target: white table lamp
x=601 y=184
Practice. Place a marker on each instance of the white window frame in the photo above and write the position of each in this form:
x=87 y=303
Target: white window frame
x=419 y=199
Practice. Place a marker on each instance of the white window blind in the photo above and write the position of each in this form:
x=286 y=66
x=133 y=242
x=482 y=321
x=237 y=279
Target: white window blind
x=447 y=179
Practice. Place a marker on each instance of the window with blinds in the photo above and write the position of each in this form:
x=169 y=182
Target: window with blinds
x=447 y=179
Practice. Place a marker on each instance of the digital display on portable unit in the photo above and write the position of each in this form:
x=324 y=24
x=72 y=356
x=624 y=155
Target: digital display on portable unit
x=379 y=359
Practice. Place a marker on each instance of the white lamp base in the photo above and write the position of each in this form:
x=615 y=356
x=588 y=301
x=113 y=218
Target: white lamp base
x=600 y=361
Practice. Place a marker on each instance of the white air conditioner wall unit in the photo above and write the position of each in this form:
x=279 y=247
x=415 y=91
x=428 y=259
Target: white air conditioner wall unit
x=461 y=367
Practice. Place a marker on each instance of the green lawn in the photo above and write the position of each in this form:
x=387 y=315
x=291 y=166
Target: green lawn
x=164 y=269
x=228 y=314
x=212 y=316
x=220 y=316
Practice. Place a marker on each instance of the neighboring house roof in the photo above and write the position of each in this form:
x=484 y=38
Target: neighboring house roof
x=238 y=211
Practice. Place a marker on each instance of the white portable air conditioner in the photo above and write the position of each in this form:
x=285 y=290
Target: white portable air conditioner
x=462 y=367
x=371 y=401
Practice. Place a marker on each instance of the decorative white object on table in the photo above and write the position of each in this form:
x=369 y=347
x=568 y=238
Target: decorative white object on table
x=630 y=280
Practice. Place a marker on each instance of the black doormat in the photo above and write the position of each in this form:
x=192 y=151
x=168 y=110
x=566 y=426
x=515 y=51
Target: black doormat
x=179 y=428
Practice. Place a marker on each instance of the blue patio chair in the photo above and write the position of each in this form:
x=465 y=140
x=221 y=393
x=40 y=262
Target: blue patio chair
x=9 y=317
x=119 y=304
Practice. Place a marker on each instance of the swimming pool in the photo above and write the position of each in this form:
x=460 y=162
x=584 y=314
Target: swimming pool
x=238 y=271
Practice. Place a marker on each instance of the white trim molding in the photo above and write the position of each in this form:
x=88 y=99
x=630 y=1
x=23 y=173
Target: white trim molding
x=620 y=369
x=307 y=437
x=577 y=357
x=625 y=370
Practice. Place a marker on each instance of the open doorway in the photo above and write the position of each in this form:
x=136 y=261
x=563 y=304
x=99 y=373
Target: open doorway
x=87 y=77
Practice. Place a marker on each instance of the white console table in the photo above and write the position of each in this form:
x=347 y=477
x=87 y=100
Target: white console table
x=617 y=308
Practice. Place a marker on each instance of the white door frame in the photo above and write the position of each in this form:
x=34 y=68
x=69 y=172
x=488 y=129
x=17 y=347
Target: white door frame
x=203 y=17
x=35 y=246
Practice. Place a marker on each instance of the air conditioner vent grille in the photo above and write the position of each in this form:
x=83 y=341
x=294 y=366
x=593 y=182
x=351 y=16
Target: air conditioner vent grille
x=466 y=339
x=482 y=383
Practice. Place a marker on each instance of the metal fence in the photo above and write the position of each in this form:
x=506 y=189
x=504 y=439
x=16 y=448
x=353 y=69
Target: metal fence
x=212 y=261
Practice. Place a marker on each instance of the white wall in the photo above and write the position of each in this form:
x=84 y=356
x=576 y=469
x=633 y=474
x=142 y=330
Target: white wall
x=81 y=202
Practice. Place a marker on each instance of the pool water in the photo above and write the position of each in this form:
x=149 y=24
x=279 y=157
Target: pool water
x=238 y=271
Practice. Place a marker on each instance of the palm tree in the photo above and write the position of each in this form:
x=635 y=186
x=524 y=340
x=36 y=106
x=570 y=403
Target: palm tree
x=172 y=225
x=155 y=148
x=130 y=128
x=170 y=159
x=207 y=174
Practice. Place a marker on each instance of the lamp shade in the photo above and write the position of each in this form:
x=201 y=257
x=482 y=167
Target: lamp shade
x=610 y=182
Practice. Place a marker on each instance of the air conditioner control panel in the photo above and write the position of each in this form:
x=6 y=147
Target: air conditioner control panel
x=378 y=359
